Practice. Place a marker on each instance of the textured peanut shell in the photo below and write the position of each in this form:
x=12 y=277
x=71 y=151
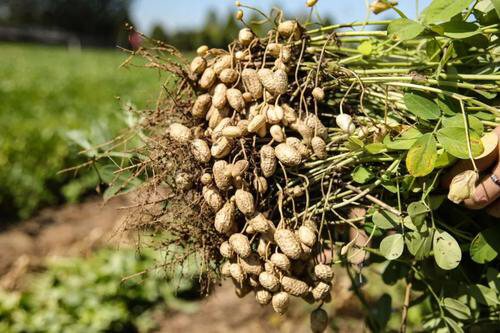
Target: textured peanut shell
x=319 y=147
x=260 y=184
x=252 y=264
x=216 y=116
x=226 y=250
x=221 y=148
x=180 y=133
x=281 y=261
x=237 y=273
x=228 y=76
x=321 y=291
x=307 y=236
x=232 y=132
x=225 y=269
x=222 y=63
x=245 y=202
x=268 y=161
x=240 y=245
x=198 y=65
x=277 y=133
x=298 y=145
x=239 y=168
x=217 y=132
x=288 y=243
x=219 y=98
x=224 y=219
x=262 y=296
x=235 y=99
x=287 y=155
x=252 y=83
x=294 y=287
x=280 y=302
x=260 y=223
x=212 y=198
x=269 y=281
x=221 y=179
x=207 y=78
x=323 y=272
x=256 y=123
x=200 y=150
x=201 y=106
x=245 y=36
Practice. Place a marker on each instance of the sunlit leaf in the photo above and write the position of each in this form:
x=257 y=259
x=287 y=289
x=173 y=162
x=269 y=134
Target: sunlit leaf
x=447 y=252
x=404 y=29
x=392 y=246
x=454 y=142
x=422 y=156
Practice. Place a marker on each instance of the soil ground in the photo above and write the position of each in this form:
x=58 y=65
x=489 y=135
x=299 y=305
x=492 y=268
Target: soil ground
x=78 y=229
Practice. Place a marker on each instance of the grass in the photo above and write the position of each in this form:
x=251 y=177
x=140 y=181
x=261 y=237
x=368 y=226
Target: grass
x=46 y=92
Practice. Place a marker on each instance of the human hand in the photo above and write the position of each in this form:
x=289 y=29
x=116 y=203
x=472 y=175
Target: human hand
x=486 y=194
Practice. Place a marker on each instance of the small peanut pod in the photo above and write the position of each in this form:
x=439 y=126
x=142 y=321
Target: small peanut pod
x=243 y=125
x=235 y=99
x=200 y=150
x=289 y=114
x=317 y=126
x=319 y=147
x=224 y=220
x=263 y=296
x=180 y=133
x=274 y=82
x=344 y=122
x=215 y=115
x=245 y=36
x=202 y=50
x=256 y=123
x=222 y=63
x=318 y=94
x=269 y=281
x=219 y=98
x=259 y=223
x=252 y=83
x=198 y=65
x=245 y=202
x=287 y=155
x=228 y=76
x=226 y=250
x=240 y=245
x=268 y=161
x=207 y=78
x=239 y=168
x=225 y=269
x=252 y=264
x=232 y=132
x=307 y=236
x=213 y=198
x=221 y=180
x=217 y=132
x=281 y=261
x=294 y=287
x=277 y=133
x=274 y=114
x=323 y=272
x=288 y=243
x=221 y=148
x=289 y=28
x=237 y=273
x=280 y=302
x=206 y=178
x=260 y=184
x=298 y=145
x=321 y=291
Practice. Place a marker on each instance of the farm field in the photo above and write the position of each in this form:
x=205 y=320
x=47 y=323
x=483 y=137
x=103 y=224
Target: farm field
x=45 y=92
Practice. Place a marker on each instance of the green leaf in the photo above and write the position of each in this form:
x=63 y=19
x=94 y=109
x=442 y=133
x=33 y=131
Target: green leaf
x=422 y=156
x=375 y=148
x=486 y=245
x=417 y=212
x=421 y=106
x=483 y=294
x=454 y=142
x=404 y=29
x=447 y=252
x=493 y=277
x=496 y=4
x=361 y=175
x=454 y=325
x=392 y=246
x=449 y=106
x=459 y=30
x=385 y=220
x=458 y=121
x=404 y=141
x=457 y=308
x=418 y=245
x=365 y=48
x=444 y=159
x=443 y=10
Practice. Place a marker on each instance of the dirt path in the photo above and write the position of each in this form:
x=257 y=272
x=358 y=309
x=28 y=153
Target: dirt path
x=72 y=229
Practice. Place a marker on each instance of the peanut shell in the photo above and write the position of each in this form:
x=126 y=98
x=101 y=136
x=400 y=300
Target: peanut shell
x=240 y=245
x=287 y=155
x=288 y=243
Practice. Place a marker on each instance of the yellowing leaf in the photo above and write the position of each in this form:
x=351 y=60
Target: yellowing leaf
x=422 y=156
